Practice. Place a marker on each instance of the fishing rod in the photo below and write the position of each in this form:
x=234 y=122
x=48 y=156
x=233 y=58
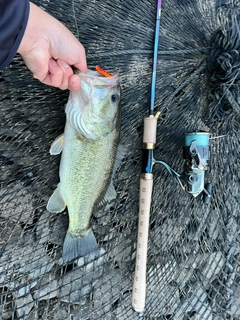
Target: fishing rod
x=146 y=184
x=196 y=155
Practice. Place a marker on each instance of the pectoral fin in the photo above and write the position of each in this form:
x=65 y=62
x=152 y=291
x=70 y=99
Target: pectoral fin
x=57 y=145
x=56 y=203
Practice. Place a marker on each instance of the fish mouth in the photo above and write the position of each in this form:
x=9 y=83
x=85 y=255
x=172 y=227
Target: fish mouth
x=99 y=80
x=95 y=74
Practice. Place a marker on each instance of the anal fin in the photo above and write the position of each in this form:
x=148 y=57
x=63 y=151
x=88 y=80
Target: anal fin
x=56 y=203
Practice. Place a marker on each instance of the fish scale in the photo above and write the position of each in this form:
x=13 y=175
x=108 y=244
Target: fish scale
x=91 y=176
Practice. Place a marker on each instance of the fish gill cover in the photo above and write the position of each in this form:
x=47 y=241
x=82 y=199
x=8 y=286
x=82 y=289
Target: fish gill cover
x=193 y=252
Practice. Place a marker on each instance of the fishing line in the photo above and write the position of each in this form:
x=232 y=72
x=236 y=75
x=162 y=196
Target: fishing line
x=217 y=137
x=146 y=51
x=75 y=18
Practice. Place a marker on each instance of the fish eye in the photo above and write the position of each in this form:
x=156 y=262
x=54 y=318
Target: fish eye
x=115 y=98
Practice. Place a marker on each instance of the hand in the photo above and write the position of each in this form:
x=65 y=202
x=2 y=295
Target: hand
x=49 y=50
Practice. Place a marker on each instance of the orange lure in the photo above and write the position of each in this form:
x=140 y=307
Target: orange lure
x=103 y=72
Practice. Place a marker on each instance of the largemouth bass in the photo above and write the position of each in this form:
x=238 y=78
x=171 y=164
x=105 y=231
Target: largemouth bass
x=88 y=147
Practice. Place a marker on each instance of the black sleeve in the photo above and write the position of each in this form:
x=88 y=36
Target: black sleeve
x=13 y=20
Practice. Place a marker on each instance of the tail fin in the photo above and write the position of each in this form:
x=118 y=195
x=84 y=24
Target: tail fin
x=79 y=245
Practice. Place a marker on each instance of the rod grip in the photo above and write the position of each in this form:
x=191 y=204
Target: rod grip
x=149 y=132
x=139 y=284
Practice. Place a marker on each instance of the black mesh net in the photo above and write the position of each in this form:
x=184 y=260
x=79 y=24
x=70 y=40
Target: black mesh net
x=193 y=250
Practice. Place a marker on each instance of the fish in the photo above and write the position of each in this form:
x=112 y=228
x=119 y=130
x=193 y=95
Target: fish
x=89 y=147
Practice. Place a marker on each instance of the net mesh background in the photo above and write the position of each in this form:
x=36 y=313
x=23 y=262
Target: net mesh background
x=193 y=249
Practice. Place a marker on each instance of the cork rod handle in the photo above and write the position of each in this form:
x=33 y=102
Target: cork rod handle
x=139 y=285
x=146 y=185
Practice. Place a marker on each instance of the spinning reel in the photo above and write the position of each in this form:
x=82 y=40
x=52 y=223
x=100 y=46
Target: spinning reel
x=196 y=155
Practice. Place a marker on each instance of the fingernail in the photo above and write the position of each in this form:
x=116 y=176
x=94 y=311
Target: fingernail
x=75 y=83
x=64 y=64
x=53 y=63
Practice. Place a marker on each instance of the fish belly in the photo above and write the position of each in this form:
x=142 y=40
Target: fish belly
x=85 y=173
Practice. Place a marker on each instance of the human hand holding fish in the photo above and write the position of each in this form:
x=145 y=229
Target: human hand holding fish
x=49 y=50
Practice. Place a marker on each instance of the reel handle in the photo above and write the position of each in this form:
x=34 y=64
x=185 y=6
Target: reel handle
x=146 y=185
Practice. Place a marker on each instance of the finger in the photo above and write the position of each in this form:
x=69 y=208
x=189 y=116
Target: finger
x=55 y=74
x=38 y=65
x=67 y=73
x=74 y=82
x=82 y=66
x=81 y=62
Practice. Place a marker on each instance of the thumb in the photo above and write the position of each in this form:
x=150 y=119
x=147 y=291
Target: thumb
x=81 y=62
x=82 y=66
